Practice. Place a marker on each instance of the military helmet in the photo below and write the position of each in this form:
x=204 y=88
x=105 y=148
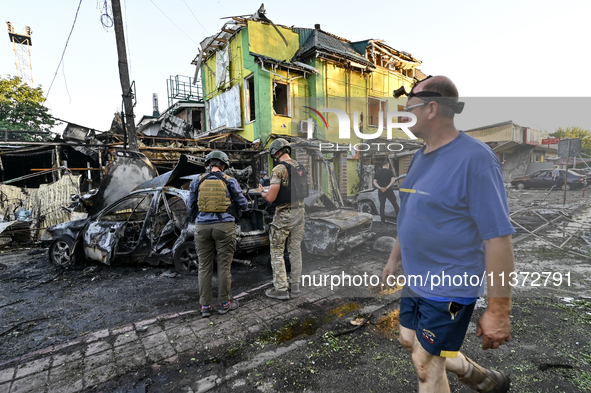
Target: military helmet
x=279 y=144
x=219 y=156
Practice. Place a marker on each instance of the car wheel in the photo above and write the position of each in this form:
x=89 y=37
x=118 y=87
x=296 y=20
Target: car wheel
x=61 y=253
x=366 y=207
x=566 y=186
x=520 y=185
x=186 y=260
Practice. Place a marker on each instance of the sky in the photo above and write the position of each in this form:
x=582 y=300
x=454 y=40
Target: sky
x=490 y=49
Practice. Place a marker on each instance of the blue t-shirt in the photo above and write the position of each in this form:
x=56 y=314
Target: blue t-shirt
x=452 y=199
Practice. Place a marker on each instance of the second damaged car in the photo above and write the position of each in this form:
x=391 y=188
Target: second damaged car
x=332 y=229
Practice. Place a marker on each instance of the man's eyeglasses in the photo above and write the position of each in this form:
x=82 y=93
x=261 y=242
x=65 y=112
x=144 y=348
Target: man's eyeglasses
x=408 y=108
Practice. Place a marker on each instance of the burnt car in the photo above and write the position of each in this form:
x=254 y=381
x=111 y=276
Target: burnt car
x=146 y=226
x=331 y=229
x=543 y=179
x=150 y=225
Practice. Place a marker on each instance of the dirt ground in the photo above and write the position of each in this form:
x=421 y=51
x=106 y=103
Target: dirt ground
x=550 y=350
x=41 y=305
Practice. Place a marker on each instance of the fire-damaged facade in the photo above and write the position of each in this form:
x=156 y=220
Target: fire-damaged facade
x=262 y=79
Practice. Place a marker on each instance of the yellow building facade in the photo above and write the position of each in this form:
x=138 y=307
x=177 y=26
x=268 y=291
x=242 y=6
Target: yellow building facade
x=263 y=80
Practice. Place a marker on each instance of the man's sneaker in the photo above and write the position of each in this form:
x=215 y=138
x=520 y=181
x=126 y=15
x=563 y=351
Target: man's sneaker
x=205 y=311
x=294 y=289
x=228 y=306
x=481 y=380
x=275 y=294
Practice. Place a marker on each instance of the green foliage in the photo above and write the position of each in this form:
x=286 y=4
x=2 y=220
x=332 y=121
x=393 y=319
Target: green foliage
x=575 y=132
x=22 y=109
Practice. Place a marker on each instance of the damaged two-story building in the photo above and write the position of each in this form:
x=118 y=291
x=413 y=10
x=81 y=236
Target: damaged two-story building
x=263 y=80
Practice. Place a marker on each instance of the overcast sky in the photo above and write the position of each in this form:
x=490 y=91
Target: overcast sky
x=499 y=48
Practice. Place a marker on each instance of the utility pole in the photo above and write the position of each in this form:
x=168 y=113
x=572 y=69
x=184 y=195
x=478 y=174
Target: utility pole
x=129 y=121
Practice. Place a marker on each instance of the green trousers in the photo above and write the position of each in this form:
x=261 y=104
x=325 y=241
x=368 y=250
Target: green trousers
x=210 y=239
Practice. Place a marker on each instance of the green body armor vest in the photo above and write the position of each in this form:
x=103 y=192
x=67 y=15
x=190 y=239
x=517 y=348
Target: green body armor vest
x=212 y=194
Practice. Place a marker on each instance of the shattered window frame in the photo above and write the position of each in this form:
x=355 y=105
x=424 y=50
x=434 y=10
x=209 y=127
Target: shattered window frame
x=122 y=212
x=249 y=99
x=287 y=105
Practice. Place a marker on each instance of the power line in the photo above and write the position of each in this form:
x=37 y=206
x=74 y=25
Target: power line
x=127 y=47
x=195 y=17
x=173 y=22
x=64 y=52
x=66 y=83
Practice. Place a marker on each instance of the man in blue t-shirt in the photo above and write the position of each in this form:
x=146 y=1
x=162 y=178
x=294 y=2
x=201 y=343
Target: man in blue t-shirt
x=453 y=233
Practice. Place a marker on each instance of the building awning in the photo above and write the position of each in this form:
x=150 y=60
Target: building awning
x=506 y=146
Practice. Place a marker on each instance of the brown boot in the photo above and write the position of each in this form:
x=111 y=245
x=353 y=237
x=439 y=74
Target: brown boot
x=481 y=380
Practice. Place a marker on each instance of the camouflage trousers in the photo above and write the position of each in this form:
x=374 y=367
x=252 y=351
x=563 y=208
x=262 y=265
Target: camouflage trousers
x=288 y=224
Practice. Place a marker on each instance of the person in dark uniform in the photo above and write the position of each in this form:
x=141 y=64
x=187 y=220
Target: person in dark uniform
x=265 y=180
x=383 y=180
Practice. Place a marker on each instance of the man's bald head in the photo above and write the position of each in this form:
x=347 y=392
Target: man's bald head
x=442 y=85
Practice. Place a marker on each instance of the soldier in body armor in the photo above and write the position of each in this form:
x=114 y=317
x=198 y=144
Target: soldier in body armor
x=214 y=196
x=288 y=221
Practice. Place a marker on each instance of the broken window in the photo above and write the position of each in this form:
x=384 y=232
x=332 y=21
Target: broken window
x=249 y=113
x=196 y=119
x=133 y=208
x=375 y=106
x=281 y=98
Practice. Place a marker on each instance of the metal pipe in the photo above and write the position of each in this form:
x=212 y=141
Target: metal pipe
x=276 y=74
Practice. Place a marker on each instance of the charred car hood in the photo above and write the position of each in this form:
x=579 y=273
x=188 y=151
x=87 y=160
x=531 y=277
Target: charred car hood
x=127 y=170
x=177 y=177
x=344 y=219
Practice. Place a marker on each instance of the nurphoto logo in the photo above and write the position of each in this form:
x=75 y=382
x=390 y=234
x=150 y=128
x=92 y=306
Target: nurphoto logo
x=345 y=123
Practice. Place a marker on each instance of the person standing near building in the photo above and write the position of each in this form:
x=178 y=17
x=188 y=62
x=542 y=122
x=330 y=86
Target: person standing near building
x=213 y=195
x=384 y=180
x=555 y=174
x=454 y=221
x=288 y=220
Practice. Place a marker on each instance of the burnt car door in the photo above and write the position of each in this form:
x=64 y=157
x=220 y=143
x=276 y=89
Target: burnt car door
x=167 y=222
x=119 y=229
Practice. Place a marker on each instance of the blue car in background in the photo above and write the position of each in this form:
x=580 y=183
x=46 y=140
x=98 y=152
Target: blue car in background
x=543 y=179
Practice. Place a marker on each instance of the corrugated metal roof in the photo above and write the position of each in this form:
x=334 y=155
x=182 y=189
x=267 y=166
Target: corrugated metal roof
x=318 y=40
x=360 y=46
